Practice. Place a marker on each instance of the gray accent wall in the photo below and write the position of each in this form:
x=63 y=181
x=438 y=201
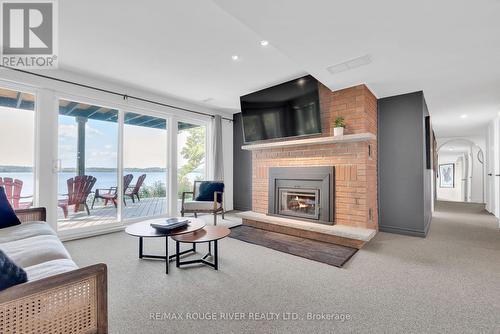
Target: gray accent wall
x=404 y=182
x=242 y=169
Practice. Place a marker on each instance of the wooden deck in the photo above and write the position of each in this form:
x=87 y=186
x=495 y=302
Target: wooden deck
x=101 y=214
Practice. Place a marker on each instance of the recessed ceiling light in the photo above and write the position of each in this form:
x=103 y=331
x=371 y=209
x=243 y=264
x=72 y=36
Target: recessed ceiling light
x=451 y=148
x=264 y=43
x=301 y=81
x=235 y=57
x=463 y=116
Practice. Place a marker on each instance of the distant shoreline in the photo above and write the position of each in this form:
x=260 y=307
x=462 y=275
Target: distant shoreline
x=26 y=169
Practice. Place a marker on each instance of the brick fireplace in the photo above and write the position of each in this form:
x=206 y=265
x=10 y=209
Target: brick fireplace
x=354 y=162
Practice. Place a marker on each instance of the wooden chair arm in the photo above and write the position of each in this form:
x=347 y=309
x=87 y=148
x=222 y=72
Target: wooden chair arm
x=109 y=190
x=184 y=197
x=24 y=196
x=75 y=301
x=31 y=214
x=221 y=193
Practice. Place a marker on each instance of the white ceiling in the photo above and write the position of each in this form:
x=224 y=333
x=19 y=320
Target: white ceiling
x=449 y=49
x=179 y=48
x=454 y=148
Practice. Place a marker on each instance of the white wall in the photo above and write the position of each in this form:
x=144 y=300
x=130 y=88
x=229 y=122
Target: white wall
x=477 y=177
x=455 y=193
x=227 y=148
x=47 y=93
x=492 y=164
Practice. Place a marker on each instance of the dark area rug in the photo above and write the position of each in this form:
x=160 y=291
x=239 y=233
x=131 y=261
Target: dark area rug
x=332 y=254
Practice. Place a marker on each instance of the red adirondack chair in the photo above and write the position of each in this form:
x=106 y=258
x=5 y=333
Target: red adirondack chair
x=111 y=194
x=134 y=190
x=13 y=189
x=79 y=188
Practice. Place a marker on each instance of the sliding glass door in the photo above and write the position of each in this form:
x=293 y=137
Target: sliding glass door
x=144 y=166
x=113 y=165
x=191 y=157
x=88 y=158
x=17 y=131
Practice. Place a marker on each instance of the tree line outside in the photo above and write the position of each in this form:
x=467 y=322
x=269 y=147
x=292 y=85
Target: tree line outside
x=194 y=154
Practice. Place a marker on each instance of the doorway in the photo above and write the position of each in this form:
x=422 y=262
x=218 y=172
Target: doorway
x=460 y=174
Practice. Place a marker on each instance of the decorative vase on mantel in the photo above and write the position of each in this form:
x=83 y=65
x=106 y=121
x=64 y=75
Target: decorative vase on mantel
x=338 y=131
x=339 y=126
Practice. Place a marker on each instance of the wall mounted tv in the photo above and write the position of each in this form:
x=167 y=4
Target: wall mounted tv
x=290 y=109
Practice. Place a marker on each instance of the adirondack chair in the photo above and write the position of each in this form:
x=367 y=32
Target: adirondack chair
x=111 y=194
x=79 y=188
x=13 y=189
x=134 y=190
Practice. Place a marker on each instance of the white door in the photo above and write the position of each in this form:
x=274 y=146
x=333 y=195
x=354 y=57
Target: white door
x=496 y=167
x=465 y=177
x=490 y=165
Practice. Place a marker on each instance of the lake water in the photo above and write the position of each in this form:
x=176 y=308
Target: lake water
x=104 y=180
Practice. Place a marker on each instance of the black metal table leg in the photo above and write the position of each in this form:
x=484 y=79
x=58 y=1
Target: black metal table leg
x=167 y=262
x=209 y=247
x=140 y=247
x=166 y=257
x=216 y=256
x=177 y=255
x=214 y=264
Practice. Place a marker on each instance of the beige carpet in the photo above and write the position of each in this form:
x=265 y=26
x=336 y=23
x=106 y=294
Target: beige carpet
x=448 y=282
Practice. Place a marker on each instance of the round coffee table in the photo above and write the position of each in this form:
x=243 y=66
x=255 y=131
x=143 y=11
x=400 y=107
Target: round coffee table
x=207 y=234
x=144 y=230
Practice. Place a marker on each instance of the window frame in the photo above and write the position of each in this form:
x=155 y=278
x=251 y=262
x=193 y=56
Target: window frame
x=36 y=130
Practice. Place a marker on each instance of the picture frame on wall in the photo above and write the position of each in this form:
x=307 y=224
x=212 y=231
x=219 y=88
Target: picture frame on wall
x=447 y=175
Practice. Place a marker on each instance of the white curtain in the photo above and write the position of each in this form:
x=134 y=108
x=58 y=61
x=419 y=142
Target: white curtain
x=217 y=149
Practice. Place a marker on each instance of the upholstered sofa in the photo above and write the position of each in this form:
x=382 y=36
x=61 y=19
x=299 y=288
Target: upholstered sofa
x=59 y=297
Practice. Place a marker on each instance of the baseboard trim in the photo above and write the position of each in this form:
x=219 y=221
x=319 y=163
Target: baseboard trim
x=75 y=235
x=404 y=231
x=241 y=208
x=427 y=225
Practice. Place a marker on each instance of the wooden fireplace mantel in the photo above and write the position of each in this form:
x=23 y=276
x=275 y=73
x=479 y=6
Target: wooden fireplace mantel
x=312 y=141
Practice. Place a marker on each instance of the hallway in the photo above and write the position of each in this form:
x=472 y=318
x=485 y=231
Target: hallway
x=450 y=280
x=467 y=224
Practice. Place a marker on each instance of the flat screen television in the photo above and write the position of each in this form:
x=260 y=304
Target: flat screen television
x=290 y=109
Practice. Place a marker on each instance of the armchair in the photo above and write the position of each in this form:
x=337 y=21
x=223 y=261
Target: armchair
x=79 y=188
x=13 y=188
x=111 y=194
x=208 y=197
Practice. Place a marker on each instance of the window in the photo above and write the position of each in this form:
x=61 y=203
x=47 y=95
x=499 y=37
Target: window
x=191 y=157
x=88 y=158
x=17 y=151
x=144 y=166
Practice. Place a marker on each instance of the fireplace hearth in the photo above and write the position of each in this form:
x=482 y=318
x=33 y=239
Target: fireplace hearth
x=305 y=193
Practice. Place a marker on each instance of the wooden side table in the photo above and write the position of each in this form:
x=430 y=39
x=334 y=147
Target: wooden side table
x=207 y=234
